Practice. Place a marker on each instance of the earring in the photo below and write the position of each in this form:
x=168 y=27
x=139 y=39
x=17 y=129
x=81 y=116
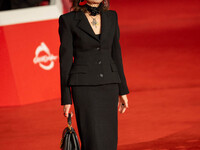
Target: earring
x=81 y=3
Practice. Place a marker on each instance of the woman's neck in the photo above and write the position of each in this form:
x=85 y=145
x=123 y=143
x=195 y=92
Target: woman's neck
x=93 y=4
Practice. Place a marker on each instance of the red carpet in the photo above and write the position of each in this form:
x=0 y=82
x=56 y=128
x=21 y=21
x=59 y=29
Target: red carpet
x=161 y=50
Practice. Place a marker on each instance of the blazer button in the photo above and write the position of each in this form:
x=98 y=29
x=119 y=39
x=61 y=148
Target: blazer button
x=99 y=62
x=98 y=48
x=101 y=74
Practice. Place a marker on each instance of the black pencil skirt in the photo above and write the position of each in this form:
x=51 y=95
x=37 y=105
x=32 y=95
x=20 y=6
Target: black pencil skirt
x=96 y=111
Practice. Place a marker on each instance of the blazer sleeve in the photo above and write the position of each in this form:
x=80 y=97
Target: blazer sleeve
x=65 y=59
x=117 y=57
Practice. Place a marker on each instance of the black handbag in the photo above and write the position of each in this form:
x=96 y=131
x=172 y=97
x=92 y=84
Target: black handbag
x=69 y=140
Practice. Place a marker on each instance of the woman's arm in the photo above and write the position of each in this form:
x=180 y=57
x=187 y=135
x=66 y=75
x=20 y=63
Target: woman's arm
x=117 y=57
x=65 y=59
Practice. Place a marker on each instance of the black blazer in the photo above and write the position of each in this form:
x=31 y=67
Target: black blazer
x=86 y=60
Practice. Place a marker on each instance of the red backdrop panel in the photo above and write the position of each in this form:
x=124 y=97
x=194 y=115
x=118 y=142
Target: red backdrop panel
x=30 y=62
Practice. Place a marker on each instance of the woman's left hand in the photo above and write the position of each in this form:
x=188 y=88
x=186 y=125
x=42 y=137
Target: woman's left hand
x=123 y=103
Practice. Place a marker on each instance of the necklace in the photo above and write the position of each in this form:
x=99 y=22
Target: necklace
x=94 y=22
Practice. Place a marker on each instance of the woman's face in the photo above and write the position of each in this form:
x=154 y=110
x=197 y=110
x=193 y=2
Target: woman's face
x=94 y=1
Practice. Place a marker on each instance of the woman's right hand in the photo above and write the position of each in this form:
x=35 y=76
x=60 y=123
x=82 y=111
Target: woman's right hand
x=66 y=109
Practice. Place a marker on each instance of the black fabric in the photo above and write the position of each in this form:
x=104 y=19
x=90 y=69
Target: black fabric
x=98 y=36
x=97 y=115
x=94 y=78
x=96 y=61
x=94 y=10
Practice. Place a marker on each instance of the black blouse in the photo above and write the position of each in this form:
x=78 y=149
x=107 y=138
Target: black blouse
x=98 y=35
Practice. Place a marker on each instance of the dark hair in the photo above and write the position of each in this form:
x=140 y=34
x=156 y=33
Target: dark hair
x=75 y=6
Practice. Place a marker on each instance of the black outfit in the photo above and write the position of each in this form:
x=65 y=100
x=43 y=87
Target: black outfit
x=96 y=115
x=96 y=77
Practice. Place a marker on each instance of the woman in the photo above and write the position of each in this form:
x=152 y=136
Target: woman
x=90 y=35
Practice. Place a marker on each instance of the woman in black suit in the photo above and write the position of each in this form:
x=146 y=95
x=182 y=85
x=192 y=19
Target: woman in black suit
x=90 y=35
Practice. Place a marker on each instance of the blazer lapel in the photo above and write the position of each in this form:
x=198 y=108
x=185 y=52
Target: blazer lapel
x=86 y=27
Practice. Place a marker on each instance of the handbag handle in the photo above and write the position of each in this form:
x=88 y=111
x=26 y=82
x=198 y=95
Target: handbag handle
x=69 y=120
